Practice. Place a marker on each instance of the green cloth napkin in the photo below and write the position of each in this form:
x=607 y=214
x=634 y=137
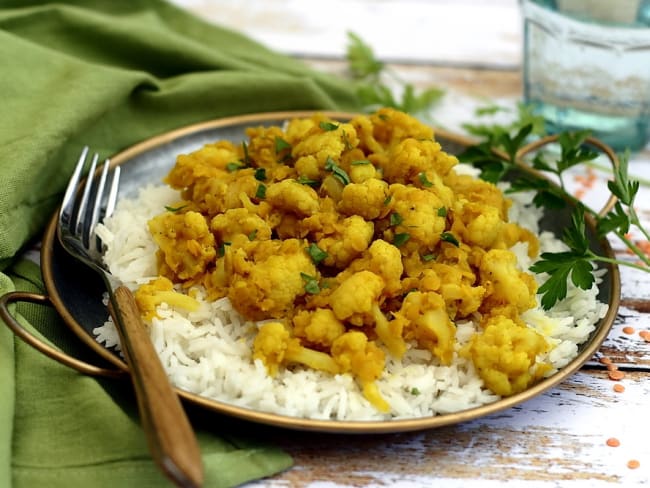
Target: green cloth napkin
x=109 y=73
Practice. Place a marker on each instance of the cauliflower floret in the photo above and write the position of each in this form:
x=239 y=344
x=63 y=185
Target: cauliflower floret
x=411 y=158
x=351 y=237
x=291 y=196
x=208 y=162
x=319 y=326
x=161 y=290
x=389 y=126
x=476 y=224
x=505 y=284
x=505 y=355
x=457 y=288
x=429 y=324
x=354 y=299
x=416 y=214
x=275 y=347
x=362 y=170
x=239 y=221
x=266 y=277
x=323 y=140
x=384 y=260
x=367 y=199
x=186 y=245
x=355 y=354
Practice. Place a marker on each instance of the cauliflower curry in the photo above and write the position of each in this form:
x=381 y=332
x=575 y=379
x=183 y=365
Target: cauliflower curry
x=351 y=241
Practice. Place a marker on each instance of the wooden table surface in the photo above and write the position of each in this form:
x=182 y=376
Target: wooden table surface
x=471 y=49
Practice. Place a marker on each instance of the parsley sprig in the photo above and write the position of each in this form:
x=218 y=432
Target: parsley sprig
x=373 y=91
x=498 y=156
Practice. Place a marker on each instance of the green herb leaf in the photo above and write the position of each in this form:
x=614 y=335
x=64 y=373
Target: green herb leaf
x=338 y=172
x=303 y=180
x=360 y=162
x=428 y=257
x=401 y=239
x=622 y=188
x=616 y=220
x=316 y=253
x=246 y=160
x=361 y=58
x=424 y=180
x=261 y=191
x=222 y=248
x=442 y=212
x=260 y=174
x=252 y=235
x=450 y=238
x=395 y=219
x=175 y=209
x=328 y=126
x=311 y=284
x=281 y=145
x=234 y=166
x=560 y=267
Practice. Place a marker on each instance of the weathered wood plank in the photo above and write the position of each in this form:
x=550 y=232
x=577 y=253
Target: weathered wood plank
x=558 y=436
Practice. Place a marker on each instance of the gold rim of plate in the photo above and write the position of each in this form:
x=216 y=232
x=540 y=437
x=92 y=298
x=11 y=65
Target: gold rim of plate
x=296 y=423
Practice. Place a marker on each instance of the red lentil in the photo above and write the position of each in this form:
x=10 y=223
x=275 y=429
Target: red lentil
x=616 y=375
x=618 y=388
x=628 y=330
x=613 y=442
x=633 y=464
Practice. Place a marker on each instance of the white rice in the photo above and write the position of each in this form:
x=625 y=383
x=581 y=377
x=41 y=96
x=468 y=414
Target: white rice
x=208 y=352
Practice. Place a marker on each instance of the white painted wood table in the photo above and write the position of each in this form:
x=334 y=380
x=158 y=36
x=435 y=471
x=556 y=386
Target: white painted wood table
x=471 y=48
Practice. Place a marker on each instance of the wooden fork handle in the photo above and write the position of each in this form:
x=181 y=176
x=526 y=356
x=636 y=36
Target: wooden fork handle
x=170 y=437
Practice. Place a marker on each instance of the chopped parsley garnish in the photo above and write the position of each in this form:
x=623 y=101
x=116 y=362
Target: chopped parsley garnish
x=424 y=180
x=387 y=201
x=316 y=253
x=414 y=391
x=338 y=172
x=303 y=180
x=360 y=162
x=234 y=166
x=346 y=140
x=260 y=174
x=252 y=235
x=428 y=257
x=328 y=126
x=401 y=238
x=222 y=248
x=311 y=284
x=174 y=209
x=442 y=212
x=449 y=237
x=246 y=160
x=395 y=219
x=281 y=145
x=261 y=191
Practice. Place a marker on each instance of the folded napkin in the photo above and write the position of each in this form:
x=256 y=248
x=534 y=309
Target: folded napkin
x=109 y=73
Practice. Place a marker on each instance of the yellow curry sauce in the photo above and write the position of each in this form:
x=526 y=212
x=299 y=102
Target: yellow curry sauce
x=348 y=236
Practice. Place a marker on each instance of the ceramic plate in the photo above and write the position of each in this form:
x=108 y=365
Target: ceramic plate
x=76 y=291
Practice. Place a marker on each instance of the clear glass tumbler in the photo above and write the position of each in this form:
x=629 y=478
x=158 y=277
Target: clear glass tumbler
x=587 y=66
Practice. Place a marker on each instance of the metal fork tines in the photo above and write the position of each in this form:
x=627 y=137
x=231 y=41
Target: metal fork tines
x=170 y=436
x=77 y=222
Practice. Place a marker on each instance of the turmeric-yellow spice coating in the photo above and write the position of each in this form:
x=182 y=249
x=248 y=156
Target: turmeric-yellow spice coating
x=353 y=240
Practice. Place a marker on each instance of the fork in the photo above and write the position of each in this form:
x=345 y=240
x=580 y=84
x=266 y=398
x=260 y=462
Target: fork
x=170 y=437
